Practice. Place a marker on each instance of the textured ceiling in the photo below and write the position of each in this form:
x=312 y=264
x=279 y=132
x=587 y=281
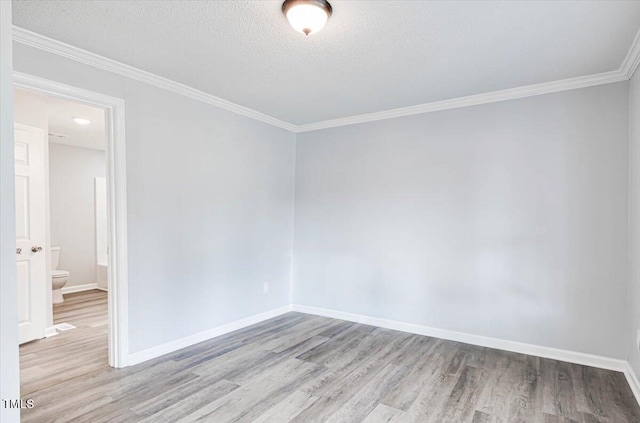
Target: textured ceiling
x=371 y=56
x=60 y=114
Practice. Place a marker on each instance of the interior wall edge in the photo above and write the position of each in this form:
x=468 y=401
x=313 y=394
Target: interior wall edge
x=9 y=363
x=633 y=355
x=292 y=269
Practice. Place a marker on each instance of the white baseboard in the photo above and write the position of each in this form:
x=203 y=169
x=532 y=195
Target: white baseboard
x=483 y=341
x=79 y=288
x=632 y=379
x=50 y=331
x=150 y=353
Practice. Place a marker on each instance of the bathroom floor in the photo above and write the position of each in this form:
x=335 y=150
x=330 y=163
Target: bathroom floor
x=72 y=353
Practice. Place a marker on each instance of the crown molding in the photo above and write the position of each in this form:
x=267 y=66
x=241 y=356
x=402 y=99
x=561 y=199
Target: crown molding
x=473 y=100
x=625 y=72
x=631 y=62
x=59 y=48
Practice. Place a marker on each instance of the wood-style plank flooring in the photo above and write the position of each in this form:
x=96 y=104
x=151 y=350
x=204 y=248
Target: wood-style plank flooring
x=50 y=361
x=302 y=368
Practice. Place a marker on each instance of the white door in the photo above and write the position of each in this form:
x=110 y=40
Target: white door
x=30 y=231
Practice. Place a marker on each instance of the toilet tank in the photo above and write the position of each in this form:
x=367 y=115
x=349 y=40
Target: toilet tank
x=55 y=255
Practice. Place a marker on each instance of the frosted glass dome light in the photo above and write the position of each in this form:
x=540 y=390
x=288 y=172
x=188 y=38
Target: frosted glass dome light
x=307 y=16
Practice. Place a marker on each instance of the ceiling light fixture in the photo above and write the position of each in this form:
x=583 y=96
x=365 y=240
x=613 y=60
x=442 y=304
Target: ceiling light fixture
x=307 y=16
x=81 y=121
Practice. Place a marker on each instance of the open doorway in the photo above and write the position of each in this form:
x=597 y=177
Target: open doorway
x=71 y=231
x=61 y=237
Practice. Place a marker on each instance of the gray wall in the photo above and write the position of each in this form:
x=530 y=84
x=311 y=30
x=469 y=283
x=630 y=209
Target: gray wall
x=9 y=369
x=507 y=220
x=72 y=172
x=210 y=205
x=634 y=220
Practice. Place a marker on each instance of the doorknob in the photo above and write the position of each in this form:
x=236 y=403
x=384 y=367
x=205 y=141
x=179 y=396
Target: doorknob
x=36 y=249
x=18 y=250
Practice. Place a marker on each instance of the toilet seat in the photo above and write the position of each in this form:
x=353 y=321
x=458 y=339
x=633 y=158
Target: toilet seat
x=59 y=274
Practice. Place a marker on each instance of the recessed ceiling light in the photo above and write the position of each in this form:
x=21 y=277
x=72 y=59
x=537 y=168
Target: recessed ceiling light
x=81 y=121
x=307 y=16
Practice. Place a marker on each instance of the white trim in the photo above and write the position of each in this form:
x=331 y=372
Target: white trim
x=483 y=341
x=59 y=48
x=50 y=45
x=118 y=302
x=157 y=351
x=632 y=379
x=47 y=233
x=50 y=331
x=473 y=100
x=79 y=288
x=118 y=265
x=631 y=62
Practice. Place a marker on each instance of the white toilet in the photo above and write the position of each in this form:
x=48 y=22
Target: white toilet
x=58 y=277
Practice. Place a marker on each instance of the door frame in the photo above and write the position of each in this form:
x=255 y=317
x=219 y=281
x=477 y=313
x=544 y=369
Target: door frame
x=118 y=282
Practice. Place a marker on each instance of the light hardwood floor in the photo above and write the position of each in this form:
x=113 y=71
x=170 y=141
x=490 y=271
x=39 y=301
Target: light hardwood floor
x=48 y=362
x=302 y=368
